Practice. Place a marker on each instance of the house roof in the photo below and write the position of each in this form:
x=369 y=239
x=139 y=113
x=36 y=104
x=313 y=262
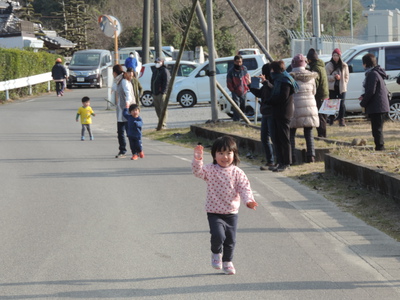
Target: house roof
x=53 y=41
x=10 y=25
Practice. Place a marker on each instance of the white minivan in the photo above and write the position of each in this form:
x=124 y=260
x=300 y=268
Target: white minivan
x=388 y=57
x=195 y=88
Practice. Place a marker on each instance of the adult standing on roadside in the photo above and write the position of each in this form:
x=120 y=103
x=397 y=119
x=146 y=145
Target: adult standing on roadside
x=305 y=109
x=267 y=119
x=338 y=77
x=282 y=109
x=237 y=81
x=159 y=85
x=59 y=74
x=131 y=62
x=137 y=87
x=375 y=99
x=124 y=95
x=317 y=65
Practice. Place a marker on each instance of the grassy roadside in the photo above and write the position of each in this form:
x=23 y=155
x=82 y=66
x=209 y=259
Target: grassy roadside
x=374 y=209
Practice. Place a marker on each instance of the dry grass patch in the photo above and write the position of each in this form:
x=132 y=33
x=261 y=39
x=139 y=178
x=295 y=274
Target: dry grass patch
x=374 y=209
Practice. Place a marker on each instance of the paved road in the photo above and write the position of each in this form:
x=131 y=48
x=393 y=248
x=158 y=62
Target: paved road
x=76 y=223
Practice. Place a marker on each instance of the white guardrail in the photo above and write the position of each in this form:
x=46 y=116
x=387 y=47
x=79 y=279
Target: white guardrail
x=26 y=81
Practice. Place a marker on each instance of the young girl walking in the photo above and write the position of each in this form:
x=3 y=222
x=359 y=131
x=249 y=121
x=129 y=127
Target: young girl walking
x=226 y=185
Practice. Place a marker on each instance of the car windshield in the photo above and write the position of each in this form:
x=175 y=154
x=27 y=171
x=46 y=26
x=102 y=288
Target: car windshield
x=85 y=59
x=347 y=54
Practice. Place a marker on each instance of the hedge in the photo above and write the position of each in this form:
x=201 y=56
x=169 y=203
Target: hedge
x=19 y=63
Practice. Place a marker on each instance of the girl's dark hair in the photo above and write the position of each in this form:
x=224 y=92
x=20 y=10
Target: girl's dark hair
x=117 y=69
x=225 y=143
x=278 y=66
x=369 y=60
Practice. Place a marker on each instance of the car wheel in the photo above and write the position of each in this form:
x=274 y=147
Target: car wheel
x=69 y=86
x=187 y=99
x=394 y=110
x=100 y=85
x=147 y=99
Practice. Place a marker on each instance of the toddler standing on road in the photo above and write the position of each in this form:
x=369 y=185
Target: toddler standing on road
x=226 y=185
x=134 y=130
x=86 y=113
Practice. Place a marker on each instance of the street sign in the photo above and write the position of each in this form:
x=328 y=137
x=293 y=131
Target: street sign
x=110 y=25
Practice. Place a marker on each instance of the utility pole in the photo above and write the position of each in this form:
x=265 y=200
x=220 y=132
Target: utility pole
x=157 y=28
x=316 y=26
x=267 y=24
x=351 y=20
x=247 y=27
x=211 y=58
x=146 y=32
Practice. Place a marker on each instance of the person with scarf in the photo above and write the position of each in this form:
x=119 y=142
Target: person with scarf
x=281 y=99
x=375 y=99
x=338 y=77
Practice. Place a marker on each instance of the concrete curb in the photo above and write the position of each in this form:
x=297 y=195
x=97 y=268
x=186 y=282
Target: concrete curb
x=385 y=183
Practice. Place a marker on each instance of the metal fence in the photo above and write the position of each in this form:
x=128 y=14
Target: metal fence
x=26 y=81
x=302 y=42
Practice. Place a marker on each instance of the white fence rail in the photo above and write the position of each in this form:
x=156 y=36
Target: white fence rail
x=26 y=81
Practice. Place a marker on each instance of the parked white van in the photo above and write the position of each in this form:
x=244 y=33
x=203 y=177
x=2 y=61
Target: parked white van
x=196 y=87
x=388 y=57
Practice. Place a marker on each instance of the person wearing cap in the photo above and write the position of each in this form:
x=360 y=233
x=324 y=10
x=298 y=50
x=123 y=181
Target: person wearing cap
x=305 y=113
x=159 y=86
x=317 y=65
x=59 y=74
x=338 y=77
x=131 y=62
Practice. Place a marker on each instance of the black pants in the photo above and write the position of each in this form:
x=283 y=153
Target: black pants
x=282 y=141
x=308 y=135
x=59 y=87
x=377 y=129
x=223 y=234
x=121 y=130
x=321 y=130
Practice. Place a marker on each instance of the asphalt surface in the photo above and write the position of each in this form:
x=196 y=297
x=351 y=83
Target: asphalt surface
x=77 y=223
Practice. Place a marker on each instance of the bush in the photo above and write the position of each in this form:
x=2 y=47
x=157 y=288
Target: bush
x=18 y=63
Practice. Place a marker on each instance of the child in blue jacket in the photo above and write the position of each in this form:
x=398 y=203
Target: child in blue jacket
x=134 y=130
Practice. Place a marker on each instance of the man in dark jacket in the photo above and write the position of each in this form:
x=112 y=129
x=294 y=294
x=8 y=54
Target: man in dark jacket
x=159 y=85
x=59 y=74
x=375 y=99
x=267 y=119
x=317 y=65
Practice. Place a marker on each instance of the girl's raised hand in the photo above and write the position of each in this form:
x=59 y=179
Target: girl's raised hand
x=198 y=152
x=252 y=205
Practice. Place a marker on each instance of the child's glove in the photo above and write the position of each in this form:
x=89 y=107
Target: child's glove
x=198 y=152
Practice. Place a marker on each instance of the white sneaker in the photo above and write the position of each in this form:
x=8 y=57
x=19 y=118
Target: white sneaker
x=216 y=261
x=229 y=269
